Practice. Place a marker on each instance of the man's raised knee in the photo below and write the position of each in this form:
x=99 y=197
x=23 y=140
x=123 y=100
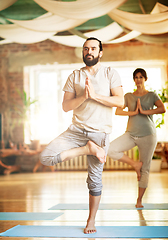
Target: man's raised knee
x=95 y=193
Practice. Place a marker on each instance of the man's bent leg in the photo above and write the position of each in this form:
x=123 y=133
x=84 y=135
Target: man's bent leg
x=89 y=149
x=68 y=140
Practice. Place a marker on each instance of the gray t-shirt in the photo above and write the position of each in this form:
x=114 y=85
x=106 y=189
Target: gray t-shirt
x=91 y=115
x=141 y=125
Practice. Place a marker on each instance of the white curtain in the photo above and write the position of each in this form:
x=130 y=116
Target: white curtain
x=49 y=22
x=153 y=39
x=127 y=37
x=68 y=15
x=153 y=17
x=81 y=9
x=158 y=27
x=18 y=34
x=154 y=23
x=6 y=3
x=5 y=41
x=105 y=34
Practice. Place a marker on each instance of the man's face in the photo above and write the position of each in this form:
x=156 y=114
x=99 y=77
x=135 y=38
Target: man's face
x=91 y=53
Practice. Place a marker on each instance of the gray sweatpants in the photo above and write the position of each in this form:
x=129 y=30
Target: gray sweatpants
x=75 y=137
x=146 y=146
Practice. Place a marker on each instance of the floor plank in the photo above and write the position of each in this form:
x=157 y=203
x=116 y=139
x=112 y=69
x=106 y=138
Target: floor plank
x=37 y=192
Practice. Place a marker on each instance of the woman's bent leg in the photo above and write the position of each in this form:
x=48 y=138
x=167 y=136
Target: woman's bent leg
x=120 y=145
x=117 y=148
x=146 y=146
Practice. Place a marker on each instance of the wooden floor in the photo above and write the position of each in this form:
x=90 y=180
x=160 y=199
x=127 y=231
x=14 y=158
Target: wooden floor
x=37 y=192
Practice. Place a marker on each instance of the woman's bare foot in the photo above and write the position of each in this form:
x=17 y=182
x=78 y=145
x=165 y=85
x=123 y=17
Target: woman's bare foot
x=137 y=166
x=97 y=151
x=12 y=169
x=90 y=227
x=139 y=204
x=4 y=165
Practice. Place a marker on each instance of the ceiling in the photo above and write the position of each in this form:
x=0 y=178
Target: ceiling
x=29 y=9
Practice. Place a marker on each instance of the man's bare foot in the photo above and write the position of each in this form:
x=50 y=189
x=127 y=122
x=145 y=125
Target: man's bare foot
x=90 y=227
x=97 y=151
x=139 y=204
x=137 y=166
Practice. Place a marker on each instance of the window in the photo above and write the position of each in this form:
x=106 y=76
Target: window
x=45 y=83
x=156 y=72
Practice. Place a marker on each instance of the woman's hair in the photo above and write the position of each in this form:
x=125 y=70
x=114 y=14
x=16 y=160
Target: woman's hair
x=142 y=71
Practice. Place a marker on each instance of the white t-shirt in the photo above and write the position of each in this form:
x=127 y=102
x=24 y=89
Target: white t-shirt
x=91 y=115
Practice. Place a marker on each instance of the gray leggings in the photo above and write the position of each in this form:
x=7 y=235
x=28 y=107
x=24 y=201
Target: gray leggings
x=72 y=138
x=146 y=146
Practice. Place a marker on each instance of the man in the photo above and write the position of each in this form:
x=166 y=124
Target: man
x=90 y=92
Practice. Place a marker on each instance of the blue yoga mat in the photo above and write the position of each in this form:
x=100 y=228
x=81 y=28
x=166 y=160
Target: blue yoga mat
x=29 y=215
x=77 y=232
x=112 y=206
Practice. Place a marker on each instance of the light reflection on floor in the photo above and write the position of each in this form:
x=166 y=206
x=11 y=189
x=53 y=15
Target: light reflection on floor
x=40 y=191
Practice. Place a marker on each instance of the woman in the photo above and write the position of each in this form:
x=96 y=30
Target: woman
x=140 y=130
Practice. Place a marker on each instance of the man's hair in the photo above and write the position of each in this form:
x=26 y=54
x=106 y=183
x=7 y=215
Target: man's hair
x=93 y=38
x=142 y=71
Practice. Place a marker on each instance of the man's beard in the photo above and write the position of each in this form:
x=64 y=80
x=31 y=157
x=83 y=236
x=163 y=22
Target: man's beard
x=90 y=62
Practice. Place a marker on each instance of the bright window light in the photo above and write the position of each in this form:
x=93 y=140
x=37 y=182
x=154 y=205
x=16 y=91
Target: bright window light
x=45 y=83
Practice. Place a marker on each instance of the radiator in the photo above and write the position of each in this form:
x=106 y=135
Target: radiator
x=80 y=163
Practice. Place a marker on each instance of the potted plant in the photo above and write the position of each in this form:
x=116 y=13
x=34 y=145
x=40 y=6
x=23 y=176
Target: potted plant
x=21 y=111
x=163 y=94
x=156 y=163
x=157 y=160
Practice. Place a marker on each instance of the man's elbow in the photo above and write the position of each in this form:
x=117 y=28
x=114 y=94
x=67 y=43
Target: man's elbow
x=65 y=108
x=121 y=103
x=164 y=110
